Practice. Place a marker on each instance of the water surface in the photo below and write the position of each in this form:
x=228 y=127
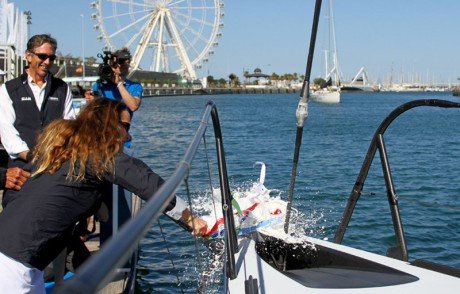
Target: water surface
x=424 y=154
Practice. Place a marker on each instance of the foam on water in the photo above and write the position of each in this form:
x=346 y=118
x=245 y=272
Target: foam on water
x=210 y=263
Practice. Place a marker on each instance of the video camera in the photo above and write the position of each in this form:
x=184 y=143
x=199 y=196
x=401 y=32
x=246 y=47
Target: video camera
x=109 y=60
x=105 y=71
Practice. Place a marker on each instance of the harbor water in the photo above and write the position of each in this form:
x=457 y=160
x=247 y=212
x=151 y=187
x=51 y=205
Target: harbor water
x=424 y=154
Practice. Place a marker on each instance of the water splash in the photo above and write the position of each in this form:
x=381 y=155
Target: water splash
x=210 y=263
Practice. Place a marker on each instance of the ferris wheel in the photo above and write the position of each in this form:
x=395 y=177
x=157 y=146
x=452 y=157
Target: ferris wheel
x=163 y=35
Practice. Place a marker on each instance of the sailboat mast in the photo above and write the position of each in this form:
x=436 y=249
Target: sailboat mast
x=302 y=111
x=335 y=70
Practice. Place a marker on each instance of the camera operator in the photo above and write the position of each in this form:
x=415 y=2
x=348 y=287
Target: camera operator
x=114 y=84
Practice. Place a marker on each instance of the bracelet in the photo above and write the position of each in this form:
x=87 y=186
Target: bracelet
x=119 y=83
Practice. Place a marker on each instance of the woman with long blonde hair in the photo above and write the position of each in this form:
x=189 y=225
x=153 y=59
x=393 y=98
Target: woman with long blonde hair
x=72 y=161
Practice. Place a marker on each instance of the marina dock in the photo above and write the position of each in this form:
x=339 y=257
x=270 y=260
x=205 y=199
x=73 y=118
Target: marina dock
x=151 y=92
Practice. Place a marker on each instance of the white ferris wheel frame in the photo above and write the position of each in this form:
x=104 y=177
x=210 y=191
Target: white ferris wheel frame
x=161 y=21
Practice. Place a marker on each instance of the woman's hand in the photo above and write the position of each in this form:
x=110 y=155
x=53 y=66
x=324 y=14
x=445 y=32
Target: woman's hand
x=199 y=226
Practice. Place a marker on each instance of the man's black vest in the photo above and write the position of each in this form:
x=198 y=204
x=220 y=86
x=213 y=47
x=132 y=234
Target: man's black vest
x=29 y=119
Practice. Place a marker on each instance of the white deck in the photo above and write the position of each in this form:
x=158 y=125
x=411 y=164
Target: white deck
x=248 y=263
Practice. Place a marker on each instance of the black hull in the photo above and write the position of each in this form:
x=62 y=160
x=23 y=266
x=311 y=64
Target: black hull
x=351 y=89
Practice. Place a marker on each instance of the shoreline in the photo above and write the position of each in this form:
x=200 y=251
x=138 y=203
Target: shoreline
x=157 y=92
x=153 y=92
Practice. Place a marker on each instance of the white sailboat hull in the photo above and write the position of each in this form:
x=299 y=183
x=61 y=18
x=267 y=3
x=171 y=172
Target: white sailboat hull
x=325 y=96
x=365 y=272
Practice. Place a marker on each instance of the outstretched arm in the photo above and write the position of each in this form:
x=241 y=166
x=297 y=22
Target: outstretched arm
x=181 y=213
x=135 y=176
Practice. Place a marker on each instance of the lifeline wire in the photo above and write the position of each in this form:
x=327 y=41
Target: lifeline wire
x=209 y=173
x=192 y=213
x=170 y=257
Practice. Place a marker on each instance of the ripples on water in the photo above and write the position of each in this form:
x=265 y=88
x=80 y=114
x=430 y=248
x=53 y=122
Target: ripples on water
x=423 y=147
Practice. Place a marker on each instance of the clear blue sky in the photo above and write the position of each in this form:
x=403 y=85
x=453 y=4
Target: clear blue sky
x=416 y=37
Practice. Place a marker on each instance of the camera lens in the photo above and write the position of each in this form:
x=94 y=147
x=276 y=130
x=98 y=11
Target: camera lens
x=105 y=72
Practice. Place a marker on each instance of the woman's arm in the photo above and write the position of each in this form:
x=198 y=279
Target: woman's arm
x=135 y=176
x=181 y=213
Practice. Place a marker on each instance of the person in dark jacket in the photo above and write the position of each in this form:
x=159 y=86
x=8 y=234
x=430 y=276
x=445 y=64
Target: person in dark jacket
x=72 y=161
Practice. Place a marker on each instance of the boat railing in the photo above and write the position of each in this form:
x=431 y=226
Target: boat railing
x=100 y=269
x=378 y=142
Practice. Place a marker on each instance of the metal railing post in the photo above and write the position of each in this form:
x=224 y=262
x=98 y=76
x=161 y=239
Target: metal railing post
x=227 y=209
x=378 y=143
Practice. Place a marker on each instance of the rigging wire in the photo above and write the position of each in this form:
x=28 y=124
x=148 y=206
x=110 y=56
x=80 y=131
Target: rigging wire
x=191 y=212
x=189 y=198
x=171 y=259
x=187 y=186
x=209 y=174
x=203 y=279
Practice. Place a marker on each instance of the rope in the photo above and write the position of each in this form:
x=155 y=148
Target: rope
x=203 y=280
x=189 y=198
x=209 y=174
x=170 y=257
x=192 y=213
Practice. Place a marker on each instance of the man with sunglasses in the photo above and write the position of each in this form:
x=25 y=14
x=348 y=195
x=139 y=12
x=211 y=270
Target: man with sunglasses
x=30 y=102
x=119 y=87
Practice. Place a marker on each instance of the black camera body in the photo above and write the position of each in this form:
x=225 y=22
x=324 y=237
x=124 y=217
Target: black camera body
x=105 y=71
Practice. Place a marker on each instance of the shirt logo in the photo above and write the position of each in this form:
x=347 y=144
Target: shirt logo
x=26 y=98
x=53 y=99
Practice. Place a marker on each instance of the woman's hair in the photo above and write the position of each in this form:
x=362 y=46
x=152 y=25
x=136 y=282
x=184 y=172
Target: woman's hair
x=93 y=138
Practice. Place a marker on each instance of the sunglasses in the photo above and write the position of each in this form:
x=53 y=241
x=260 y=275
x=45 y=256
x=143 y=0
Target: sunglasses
x=126 y=125
x=44 y=56
x=122 y=61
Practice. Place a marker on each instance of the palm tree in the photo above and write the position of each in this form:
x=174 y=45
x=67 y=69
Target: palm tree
x=233 y=79
x=211 y=81
x=320 y=83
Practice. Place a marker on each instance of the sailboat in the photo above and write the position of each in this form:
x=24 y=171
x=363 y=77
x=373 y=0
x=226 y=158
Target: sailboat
x=262 y=263
x=275 y=263
x=331 y=93
x=360 y=83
